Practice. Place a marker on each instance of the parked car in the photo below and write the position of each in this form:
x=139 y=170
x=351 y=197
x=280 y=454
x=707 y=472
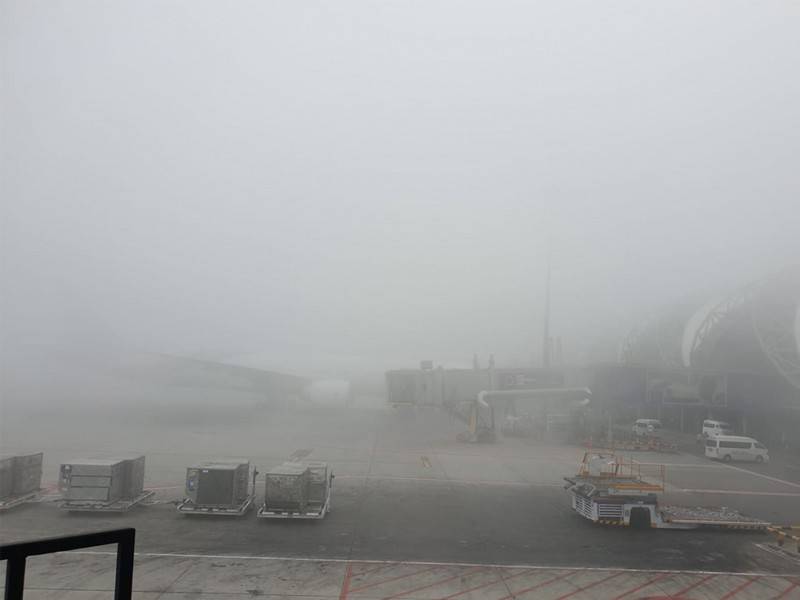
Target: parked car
x=736 y=447
x=644 y=427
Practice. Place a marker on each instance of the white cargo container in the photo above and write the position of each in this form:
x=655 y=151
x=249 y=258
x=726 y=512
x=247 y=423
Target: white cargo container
x=20 y=479
x=105 y=484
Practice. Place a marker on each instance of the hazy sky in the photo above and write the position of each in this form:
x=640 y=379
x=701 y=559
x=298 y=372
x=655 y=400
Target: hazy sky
x=382 y=179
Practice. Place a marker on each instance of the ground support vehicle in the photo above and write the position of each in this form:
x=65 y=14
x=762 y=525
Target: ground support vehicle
x=713 y=428
x=644 y=427
x=735 y=447
x=786 y=532
x=103 y=484
x=611 y=492
x=296 y=490
x=219 y=487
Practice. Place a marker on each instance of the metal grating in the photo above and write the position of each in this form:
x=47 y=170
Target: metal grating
x=584 y=506
x=609 y=511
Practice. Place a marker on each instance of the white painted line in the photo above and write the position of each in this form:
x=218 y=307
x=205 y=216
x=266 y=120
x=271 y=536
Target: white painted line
x=719 y=467
x=442 y=480
x=775 y=479
x=742 y=492
x=782 y=554
x=425 y=563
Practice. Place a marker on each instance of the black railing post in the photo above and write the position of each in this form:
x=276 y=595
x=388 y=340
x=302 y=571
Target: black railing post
x=15 y=578
x=15 y=555
x=123 y=588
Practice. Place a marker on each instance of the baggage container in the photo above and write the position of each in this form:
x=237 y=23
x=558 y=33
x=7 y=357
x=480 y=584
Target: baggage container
x=317 y=482
x=219 y=487
x=99 y=479
x=24 y=461
x=286 y=486
x=297 y=491
x=27 y=473
x=134 y=477
x=103 y=483
x=6 y=476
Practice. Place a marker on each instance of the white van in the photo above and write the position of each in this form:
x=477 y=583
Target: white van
x=715 y=428
x=647 y=427
x=736 y=447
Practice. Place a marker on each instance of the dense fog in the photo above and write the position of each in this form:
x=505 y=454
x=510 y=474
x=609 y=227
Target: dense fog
x=338 y=189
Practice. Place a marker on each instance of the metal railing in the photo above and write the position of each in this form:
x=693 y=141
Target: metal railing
x=16 y=554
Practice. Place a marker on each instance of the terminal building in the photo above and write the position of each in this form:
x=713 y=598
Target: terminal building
x=734 y=358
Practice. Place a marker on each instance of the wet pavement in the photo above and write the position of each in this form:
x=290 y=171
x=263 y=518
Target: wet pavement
x=407 y=492
x=90 y=576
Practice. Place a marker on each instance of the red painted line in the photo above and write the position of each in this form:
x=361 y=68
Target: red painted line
x=591 y=585
x=785 y=592
x=485 y=585
x=377 y=583
x=694 y=585
x=435 y=583
x=738 y=589
x=639 y=587
x=537 y=586
x=346 y=582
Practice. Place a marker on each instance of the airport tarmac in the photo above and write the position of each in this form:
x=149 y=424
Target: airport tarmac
x=405 y=491
x=90 y=576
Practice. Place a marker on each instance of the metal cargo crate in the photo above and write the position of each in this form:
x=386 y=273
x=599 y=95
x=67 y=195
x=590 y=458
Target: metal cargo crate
x=286 y=486
x=24 y=461
x=94 y=467
x=218 y=487
x=317 y=482
x=20 y=479
x=6 y=476
x=99 y=483
x=297 y=491
x=134 y=477
x=218 y=482
x=27 y=473
x=97 y=479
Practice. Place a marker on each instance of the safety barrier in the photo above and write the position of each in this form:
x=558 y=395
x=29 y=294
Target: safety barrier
x=784 y=533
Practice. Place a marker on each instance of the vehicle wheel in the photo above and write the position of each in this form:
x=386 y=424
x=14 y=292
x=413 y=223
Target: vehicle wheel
x=727 y=458
x=759 y=459
x=640 y=518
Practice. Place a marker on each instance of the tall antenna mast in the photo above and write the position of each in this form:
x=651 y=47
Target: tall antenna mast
x=546 y=333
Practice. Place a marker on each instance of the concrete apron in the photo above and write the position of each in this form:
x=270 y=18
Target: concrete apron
x=89 y=575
